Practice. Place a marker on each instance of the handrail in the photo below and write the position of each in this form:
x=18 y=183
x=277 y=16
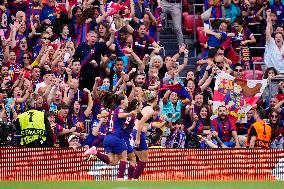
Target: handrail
x=194 y=25
x=257 y=47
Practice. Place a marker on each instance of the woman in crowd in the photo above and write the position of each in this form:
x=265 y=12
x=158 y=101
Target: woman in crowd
x=272 y=88
x=243 y=36
x=277 y=140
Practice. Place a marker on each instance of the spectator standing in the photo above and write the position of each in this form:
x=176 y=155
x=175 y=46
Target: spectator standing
x=174 y=8
x=225 y=128
x=88 y=51
x=274 y=48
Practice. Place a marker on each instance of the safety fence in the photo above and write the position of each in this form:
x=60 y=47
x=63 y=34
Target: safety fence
x=164 y=164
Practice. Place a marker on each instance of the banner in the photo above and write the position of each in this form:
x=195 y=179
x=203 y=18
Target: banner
x=55 y=164
x=177 y=88
x=237 y=95
x=113 y=8
x=245 y=57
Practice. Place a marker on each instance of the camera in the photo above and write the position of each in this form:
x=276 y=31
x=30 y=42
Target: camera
x=6 y=130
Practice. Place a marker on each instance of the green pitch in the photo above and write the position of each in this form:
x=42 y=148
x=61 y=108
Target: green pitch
x=143 y=185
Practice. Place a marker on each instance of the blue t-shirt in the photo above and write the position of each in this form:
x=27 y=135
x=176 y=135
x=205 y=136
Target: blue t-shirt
x=214 y=41
x=47 y=13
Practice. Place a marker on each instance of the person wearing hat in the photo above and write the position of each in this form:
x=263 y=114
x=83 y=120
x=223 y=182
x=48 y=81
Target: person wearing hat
x=73 y=141
x=47 y=79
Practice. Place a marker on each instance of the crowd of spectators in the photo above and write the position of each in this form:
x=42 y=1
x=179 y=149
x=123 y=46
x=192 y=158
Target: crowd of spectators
x=61 y=64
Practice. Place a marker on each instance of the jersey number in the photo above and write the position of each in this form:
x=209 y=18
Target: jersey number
x=111 y=123
x=31 y=116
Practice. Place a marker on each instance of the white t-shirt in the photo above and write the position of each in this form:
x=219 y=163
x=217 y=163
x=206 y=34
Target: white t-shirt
x=40 y=85
x=273 y=56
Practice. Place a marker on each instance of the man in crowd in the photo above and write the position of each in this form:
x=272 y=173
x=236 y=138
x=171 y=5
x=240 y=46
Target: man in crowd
x=226 y=128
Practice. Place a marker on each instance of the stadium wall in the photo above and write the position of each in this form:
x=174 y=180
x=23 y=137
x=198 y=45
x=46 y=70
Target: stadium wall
x=164 y=164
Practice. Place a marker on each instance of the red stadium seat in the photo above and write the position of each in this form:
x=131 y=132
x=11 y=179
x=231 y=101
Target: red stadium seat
x=201 y=35
x=188 y=22
x=248 y=74
x=199 y=21
x=257 y=59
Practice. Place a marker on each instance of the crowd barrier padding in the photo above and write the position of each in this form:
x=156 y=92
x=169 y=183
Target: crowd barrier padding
x=26 y=164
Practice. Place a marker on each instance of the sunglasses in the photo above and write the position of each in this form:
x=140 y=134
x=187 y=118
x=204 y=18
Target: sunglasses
x=274 y=116
x=238 y=70
x=47 y=38
x=26 y=57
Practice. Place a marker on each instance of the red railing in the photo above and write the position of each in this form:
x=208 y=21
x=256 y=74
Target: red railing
x=164 y=164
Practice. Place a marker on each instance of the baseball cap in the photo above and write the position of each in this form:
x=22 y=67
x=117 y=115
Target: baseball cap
x=71 y=137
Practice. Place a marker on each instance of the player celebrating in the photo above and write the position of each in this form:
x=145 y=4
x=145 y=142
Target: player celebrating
x=128 y=128
x=139 y=133
x=114 y=144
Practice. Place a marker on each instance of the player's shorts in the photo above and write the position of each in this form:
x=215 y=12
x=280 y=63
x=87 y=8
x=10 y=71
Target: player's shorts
x=129 y=146
x=143 y=141
x=114 y=144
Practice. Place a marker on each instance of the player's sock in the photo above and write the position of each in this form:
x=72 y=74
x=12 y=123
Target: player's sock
x=139 y=169
x=103 y=157
x=121 y=169
x=131 y=170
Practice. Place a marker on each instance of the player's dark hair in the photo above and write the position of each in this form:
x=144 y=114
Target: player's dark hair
x=118 y=99
x=261 y=113
x=108 y=100
x=133 y=105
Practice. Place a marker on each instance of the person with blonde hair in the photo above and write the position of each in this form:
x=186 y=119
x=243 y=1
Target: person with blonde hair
x=156 y=62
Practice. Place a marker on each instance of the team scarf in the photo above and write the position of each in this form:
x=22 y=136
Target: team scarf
x=177 y=88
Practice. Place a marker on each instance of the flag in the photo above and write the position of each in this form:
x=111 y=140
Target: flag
x=177 y=88
x=245 y=54
x=72 y=2
x=60 y=8
x=113 y=8
x=238 y=95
